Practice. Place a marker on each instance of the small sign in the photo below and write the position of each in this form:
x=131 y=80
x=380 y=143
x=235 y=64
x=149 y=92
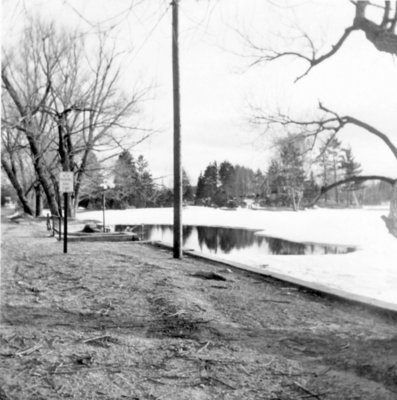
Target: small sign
x=66 y=182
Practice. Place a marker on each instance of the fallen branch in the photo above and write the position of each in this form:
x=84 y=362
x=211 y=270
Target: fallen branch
x=212 y=378
x=305 y=389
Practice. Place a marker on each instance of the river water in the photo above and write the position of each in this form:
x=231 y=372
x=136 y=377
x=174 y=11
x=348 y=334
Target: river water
x=221 y=241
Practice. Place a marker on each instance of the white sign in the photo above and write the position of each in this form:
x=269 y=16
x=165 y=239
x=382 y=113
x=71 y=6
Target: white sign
x=66 y=182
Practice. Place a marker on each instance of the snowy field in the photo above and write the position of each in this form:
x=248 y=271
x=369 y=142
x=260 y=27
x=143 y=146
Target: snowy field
x=371 y=271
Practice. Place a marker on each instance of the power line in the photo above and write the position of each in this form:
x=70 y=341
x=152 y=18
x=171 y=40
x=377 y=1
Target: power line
x=148 y=36
x=199 y=25
x=125 y=13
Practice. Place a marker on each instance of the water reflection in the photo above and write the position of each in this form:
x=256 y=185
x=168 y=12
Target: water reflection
x=227 y=240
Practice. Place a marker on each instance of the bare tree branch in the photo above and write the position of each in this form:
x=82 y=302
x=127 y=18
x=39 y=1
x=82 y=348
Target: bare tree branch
x=354 y=179
x=383 y=36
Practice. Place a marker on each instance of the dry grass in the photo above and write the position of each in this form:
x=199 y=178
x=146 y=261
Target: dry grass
x=126 y=321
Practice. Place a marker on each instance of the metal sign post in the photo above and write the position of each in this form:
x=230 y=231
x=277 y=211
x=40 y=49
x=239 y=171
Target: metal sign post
x=65 y=186
x=65 y=223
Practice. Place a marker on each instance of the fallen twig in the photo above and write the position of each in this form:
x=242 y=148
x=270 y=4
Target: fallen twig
x=180 y=312
x=28 y=287
x=155 y=381
x=29 y=350
x=305 y=389
x=202 y=348
x=212 y=378
x=96 y=338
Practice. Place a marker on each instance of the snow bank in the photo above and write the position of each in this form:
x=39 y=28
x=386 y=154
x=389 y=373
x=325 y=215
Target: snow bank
x=370 y=271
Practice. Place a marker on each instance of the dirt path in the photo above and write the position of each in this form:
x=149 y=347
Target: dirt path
x=126 y=321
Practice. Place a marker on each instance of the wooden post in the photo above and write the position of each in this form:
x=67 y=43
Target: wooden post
x=177 y=136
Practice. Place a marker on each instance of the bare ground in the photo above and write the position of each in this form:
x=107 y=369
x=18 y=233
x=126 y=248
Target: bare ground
x=127 y=321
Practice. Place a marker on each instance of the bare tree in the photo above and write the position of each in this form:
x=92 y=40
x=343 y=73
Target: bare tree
x=26 y=87
x=383 y=35
x=12 y=164
x=81 y=108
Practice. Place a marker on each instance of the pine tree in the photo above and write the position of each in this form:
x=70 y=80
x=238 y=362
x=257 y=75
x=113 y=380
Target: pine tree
x=293 y=173
x=259 y=182
x=91 y=190
x=227 y=177
x=211 y=180
x=207 y=185
x=350 y=168
x=329 y=162
x=144 y=186
x=125 y=179
x=188 y=194
x=200 y=190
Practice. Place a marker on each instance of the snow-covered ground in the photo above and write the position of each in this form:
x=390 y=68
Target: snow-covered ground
x=370 y=271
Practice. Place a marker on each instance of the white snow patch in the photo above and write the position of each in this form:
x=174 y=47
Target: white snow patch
x=370 y=271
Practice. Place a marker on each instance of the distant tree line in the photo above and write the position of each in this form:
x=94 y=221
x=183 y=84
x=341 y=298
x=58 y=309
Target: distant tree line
x=133 y=186
x=291 y=180
x=227 y=185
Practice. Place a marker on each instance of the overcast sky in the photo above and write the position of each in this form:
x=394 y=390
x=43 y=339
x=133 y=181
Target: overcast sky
x=218 y=87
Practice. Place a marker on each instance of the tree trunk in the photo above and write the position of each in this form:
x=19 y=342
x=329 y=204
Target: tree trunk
x=42 y=173
x=38 y=200
x=18 y=188
x=391 y=220
x=355 y=199
x=335 y=179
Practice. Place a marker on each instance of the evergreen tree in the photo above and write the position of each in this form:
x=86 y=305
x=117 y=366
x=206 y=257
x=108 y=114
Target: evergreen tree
x=144 y=186
x=293 y=173
x=310 y=189
x=207 y=185
x=350 y=168
x=227 y=176
x=133 y=181
x=274 y=182
x=285 y=178
x=329 y=163
x=188 y=194
x=91 y=190
x=244 y=182
x=200 y=190
x=125 y=178
x=211 y=180
x=259 y=183
x=228 y=185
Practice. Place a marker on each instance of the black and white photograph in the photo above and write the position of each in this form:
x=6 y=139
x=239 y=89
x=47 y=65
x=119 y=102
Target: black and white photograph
x=198 y=200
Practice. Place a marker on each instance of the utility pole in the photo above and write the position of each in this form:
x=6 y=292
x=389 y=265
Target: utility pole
x=177 y=135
